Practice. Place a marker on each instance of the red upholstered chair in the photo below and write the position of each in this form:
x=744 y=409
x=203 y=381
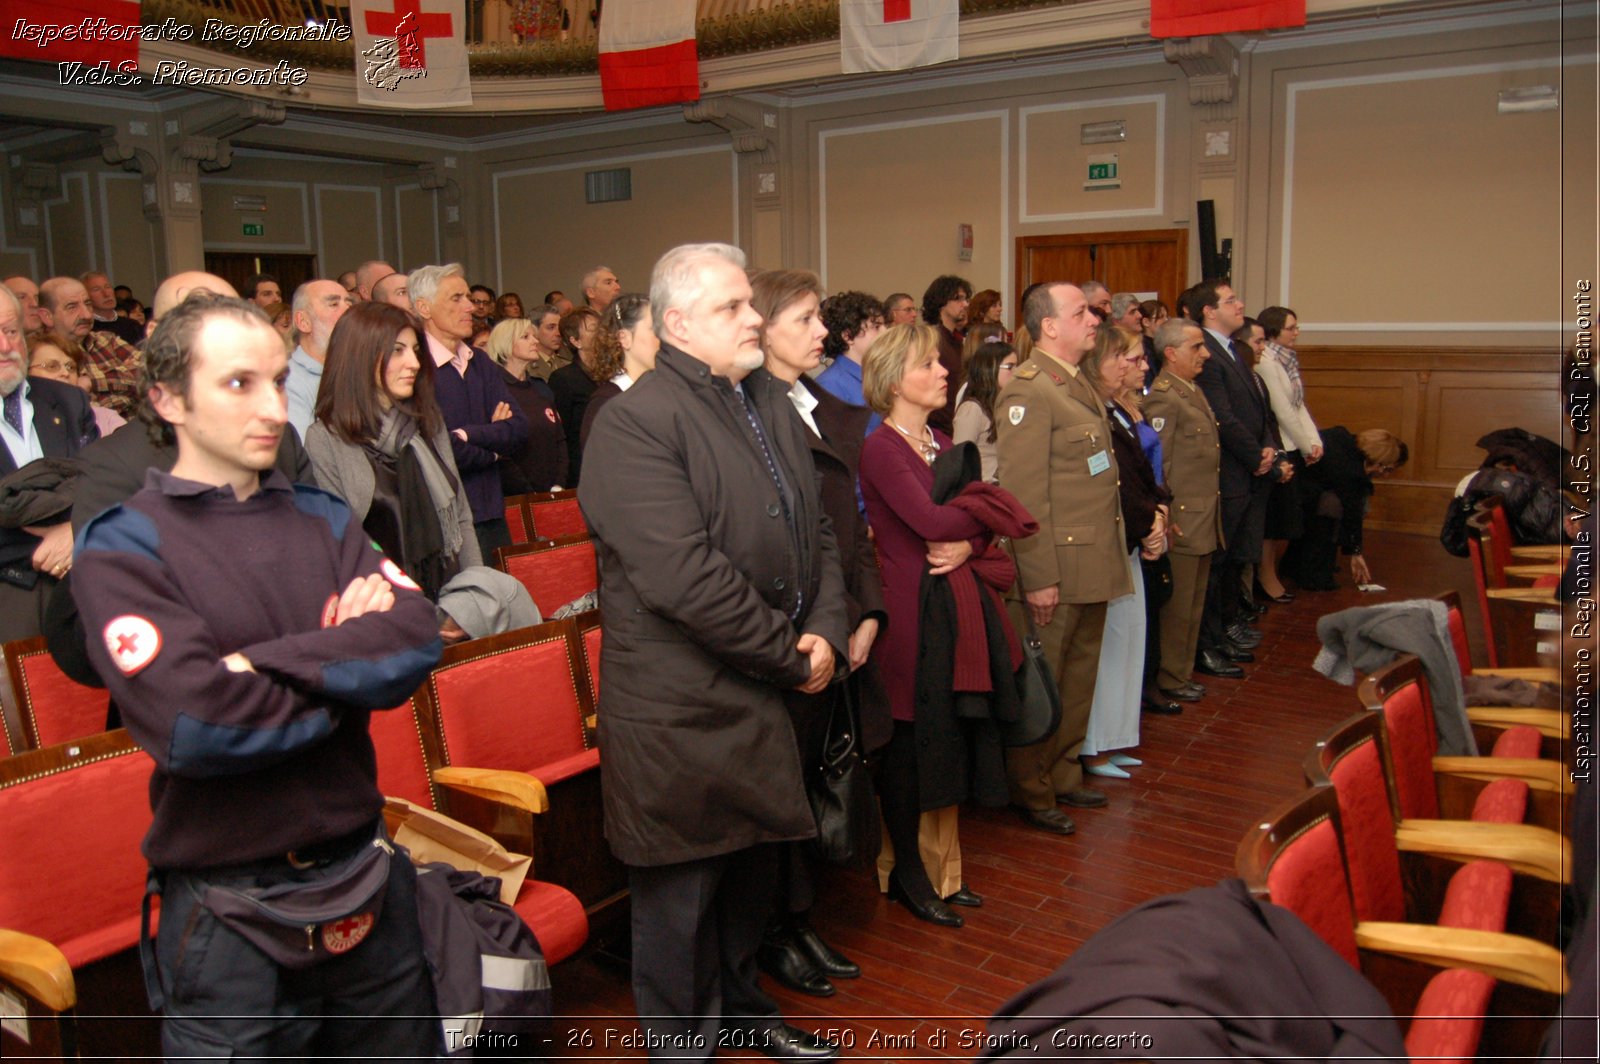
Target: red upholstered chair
x=1488 y=721
x=589 y=639
x=554 y=514
x=555 y=572
x=71 y=820
x=1510 y=608
x=1494 y=788
x=515 y=703
x=53 y=708
x=1294 y=858
x=517 y=518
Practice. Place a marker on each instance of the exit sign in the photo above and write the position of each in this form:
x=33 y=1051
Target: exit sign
x=1103 y=172
x=255 y=228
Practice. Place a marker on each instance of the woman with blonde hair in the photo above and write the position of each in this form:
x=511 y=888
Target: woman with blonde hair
x=541 y=463
x=1337 y=491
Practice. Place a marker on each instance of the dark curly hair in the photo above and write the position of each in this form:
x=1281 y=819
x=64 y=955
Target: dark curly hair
x=845 y=315
x=944 y=288
x=623 y=315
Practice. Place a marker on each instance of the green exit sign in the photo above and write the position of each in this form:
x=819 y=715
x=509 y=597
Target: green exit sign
x=255 y=228
x=1097 y=172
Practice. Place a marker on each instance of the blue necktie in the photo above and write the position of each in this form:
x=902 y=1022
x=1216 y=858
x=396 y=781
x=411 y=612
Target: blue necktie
x=13 y=405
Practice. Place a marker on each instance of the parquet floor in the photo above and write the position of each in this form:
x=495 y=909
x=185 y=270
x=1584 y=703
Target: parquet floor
x=925 y=991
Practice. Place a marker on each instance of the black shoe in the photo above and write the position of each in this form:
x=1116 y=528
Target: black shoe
x=780 y=1041
x=965 y=897
x=1182 y=694
x=825 y=958
x=1194 y=688
x=1164 y=706
x=784 y=960
x=1236 y=654
x=1279 y=600
x=1244 y=635
x=1052 y=820
x=1252 y=611
x=933 y=910
x=1084 y=798
x=1211 y=663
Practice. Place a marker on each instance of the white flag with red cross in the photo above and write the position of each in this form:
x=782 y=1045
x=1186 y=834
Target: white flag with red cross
x=897 y=34
x=411 y=54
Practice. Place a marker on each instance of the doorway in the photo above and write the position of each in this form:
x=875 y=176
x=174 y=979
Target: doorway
x=236 y=267
x=1141 y=260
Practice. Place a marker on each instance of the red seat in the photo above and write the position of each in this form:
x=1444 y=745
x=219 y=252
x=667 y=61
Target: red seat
x=555 y=572
x=53 y=707
x=1449 y=1017
x=517 y=518
x=589 y=633
x=554 y=514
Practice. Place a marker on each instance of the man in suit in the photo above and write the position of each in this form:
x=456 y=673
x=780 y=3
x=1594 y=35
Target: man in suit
x=721 y=589
x=1190 y=458
x=1055 y=456
x=42 y=419
x=1240 y=405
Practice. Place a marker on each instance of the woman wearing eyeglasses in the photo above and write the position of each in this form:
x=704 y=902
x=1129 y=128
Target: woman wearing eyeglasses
x=1279 y=370
x=989 y=370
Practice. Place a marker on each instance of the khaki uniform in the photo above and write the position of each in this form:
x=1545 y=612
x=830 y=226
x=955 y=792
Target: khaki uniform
x=1191 y=457
x=1055 y=457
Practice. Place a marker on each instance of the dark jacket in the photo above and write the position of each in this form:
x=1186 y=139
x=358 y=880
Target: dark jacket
x=950 y=358
x=573 y=388
x=468 y=404
x=1241 y=409
x=701 y=572
x=1343 y=471
x=541 y=463
x=1136 y=480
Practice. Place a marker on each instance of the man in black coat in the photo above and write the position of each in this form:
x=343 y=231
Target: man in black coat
x=42 y=419
x=720 y=588
x=1240 y=406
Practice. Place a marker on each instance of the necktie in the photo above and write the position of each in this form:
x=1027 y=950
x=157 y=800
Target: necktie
x=13 y=405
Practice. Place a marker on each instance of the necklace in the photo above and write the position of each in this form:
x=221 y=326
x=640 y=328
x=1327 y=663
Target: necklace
x=928 y=447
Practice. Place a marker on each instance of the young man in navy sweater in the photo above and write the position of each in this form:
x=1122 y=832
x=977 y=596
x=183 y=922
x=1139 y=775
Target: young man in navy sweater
x=247 y=628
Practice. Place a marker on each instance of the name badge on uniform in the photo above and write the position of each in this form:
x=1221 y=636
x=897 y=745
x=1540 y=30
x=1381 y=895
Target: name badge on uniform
x=1099 y=462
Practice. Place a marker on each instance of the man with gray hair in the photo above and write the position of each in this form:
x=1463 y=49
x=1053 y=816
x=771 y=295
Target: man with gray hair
x=111 y=362
x=1098 y=297
x=600 y=288
x=720 y=588
x=1126 y=313
x=318 y=306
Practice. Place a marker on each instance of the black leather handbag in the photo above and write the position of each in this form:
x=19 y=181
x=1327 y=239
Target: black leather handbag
x=1041 y=699
x=841 y=791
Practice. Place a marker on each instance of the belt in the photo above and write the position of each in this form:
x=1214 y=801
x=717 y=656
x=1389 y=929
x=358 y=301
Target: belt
x=301 y=857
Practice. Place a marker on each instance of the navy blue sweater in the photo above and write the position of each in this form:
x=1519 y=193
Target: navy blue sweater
x=468 y=403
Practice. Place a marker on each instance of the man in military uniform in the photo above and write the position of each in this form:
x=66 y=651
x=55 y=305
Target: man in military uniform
x=1190 y=458
x=1055 y=456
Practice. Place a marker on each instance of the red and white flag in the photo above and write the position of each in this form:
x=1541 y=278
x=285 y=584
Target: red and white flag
x=411 y=54
x=647 y=53
x=1197 y=18
x=897 y=34
x=72 y=31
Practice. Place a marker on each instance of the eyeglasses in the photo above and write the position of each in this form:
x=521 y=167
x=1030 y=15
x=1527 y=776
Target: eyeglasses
x=52 y=367
x=1009 y=367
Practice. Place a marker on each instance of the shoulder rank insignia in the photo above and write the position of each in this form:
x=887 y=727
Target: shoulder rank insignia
x=1027 y=372
x=1163 y=385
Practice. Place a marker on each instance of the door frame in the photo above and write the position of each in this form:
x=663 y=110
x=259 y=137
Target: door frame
x=1122 y=236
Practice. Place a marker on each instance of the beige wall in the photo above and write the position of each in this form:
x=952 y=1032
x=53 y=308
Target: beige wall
x=129 y=256
x=350 y=225
x=287 y=219
x=1055 y=160
x=417 y=227
x=547 y=236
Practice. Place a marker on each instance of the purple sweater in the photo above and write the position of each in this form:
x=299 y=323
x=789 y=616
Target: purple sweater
x=468 y=403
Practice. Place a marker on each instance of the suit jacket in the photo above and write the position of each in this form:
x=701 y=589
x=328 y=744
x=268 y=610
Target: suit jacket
x=1241 y=411
x=1190 y=459
x=62 y=418
x=704 y=591
x=1056 y=458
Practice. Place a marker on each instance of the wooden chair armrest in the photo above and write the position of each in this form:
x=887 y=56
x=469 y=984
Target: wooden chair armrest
x=1533 y=571
x=1526 y=848
x=1542 y=596
x=1511 y=958
x=1550 y=722
x=1539 y=773
x=36 y=966
x=1540 y=552
x=517 y=789
x=1533 y=674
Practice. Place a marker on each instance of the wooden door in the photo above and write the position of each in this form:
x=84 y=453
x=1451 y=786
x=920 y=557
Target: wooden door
x=235 y=267
x=1142 y=260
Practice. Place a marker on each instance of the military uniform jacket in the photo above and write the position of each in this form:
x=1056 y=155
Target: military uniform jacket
x=1191 y=457
x=1055 y=457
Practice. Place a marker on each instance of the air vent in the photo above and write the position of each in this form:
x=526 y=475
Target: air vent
x=608 y=186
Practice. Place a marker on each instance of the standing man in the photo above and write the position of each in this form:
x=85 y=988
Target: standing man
x=318 y=306
x=112 y=363
x=393 y=289
x=103 y=304
x=944 y=306
x=721 y=588
x=481 y=296
x=1240 y=405
x=368 y=274
x=1099 y=298
x=553 y=353
x=1126 y=313
x=485 y=423
x=27 y=294
x=257 y=718
x=1055 y=457
x=600 y=288
x=262 y=290
x=899 y=309
x=1190 y=458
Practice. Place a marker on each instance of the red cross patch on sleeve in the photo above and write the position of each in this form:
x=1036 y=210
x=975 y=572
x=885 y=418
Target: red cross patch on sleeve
x=396 y=576
x=132 y=642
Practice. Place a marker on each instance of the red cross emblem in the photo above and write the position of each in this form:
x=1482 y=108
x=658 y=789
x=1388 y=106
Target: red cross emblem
x=410 y=28
x=132 y=642
x=346 y=935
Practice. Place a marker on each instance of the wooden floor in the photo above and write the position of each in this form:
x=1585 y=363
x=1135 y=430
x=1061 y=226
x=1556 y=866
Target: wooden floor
x=1208 y=774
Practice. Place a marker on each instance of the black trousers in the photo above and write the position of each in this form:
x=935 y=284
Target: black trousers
x=696 y=926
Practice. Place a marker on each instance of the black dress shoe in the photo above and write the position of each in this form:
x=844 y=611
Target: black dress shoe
x=1243 y=635
x=825 y=958
x=1211 y=663
x=1084 y=798
x=1236 y=654
x=965 y=897
x=780 y=1041
x=1194 y=687
x=933 y=910
x=784 y=960
x=1182 y=694
x=1052 y=820
x=1163 y=706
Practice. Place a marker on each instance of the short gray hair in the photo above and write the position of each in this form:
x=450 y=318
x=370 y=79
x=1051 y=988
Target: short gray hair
x=1170 y=333
x=1122 y=301
x=676 y=283
x=594 y=275
x=1090 y=289
x=425 y=280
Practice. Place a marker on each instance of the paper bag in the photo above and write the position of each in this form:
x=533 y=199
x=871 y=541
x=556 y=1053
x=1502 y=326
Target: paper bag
x=433 y=836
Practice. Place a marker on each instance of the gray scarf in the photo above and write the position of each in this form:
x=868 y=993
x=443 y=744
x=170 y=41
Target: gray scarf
x=399 y=430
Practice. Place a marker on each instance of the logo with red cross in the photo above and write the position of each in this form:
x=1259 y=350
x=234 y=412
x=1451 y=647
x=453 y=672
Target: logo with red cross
x=132 y=642
x=400 y=47
x=345 y=935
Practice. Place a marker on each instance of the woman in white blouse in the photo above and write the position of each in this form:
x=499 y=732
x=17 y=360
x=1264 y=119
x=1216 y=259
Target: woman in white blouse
x=1279 y=369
